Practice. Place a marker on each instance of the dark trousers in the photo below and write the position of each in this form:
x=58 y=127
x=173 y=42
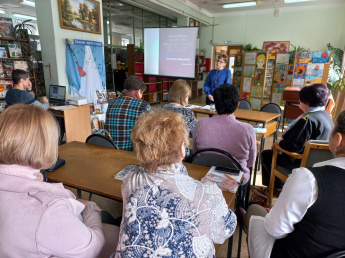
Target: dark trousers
x=282 y=160
x=208 y=101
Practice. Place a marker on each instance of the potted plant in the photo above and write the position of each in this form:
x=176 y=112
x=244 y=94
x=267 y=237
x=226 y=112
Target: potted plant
x=139 y=53
x=21 y=30
x=335 y=77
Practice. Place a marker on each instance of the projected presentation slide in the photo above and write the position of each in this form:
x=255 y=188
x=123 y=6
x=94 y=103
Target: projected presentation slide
x=170 y=51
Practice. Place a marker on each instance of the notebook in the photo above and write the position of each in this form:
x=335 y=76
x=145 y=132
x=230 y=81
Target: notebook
x=57 y=95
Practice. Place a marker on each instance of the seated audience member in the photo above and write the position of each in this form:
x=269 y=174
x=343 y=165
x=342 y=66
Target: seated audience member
x=307 y=219
x=22 y=93
x=40 y=219
x=123 y=112
x=313 y=124
x=224 y=132
x=178 y=98
x=166 y=212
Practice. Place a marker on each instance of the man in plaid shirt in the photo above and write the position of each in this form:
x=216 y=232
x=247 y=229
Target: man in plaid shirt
x=123 y=112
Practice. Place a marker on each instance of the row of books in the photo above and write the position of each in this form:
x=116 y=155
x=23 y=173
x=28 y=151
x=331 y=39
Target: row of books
x=10 y=65
x=11 y=50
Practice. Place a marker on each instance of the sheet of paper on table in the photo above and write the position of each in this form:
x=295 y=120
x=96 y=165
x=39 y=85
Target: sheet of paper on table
x=190 y=106
x=207 y=107
x=62 y=107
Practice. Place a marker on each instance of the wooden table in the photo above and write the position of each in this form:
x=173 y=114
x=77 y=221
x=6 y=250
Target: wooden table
x=91 y=168
x=77 y=122
x=252 y=116
x=249 y=115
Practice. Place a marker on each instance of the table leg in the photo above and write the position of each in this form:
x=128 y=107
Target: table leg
x=230 y=246
x=79 y=193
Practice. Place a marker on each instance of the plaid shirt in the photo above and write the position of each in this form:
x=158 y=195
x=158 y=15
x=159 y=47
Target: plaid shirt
x=120 y=119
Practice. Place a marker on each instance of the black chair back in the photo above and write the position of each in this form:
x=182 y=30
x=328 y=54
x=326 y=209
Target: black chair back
x=209 y=157
x=245 y=104
x=338 y=254
x=98 y=139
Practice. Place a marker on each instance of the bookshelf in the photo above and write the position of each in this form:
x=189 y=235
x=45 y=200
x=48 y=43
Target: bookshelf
x=9 y=63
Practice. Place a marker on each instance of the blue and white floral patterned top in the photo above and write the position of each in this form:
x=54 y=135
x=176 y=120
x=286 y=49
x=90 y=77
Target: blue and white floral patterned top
x=169 y=214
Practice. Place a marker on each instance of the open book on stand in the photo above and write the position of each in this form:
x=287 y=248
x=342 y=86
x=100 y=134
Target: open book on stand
x=223 y=182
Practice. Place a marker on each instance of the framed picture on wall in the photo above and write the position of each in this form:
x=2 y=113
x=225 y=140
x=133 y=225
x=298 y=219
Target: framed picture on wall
x=80 y=15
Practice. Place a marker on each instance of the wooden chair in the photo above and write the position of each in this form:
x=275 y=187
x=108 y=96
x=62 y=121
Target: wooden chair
x=314 y=151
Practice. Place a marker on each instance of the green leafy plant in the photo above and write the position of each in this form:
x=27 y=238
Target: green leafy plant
x=298 y=48
x=21 y=29
x=249 y=47
x=139 y=53
x=335 y=80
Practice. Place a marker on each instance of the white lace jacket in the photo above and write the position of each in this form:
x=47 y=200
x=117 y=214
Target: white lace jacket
x=169 y=214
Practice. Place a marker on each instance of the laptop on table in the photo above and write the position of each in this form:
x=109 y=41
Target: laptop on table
x=57 y=95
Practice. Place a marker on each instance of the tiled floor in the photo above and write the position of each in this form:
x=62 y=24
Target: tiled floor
x=115 y=207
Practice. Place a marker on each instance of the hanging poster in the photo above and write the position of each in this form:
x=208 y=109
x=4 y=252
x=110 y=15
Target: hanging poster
x=282 y=58
x=237 y=81
x=304 y=57
x=256 y=103
x=321 y=56
x=245 y=96
x=281 y=78
x=276 y=98
x=291 y=58
x=249 y=71
x=85 y=68
x=299 y=71
x=281 y=68
x=237 y=71
x=298 y=82
x=238 y=60
x=276 y=47
x=247 y=82
x=249 y=58
x=259 y=78
x=256 y=91
x=261 y=61
x=314 y=73
x=290 y=69
x=270 y=64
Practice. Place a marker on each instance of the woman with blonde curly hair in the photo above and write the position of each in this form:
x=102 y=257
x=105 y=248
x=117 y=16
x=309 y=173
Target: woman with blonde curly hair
x=166 y=212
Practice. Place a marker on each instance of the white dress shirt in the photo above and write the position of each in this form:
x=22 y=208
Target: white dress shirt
x=299 y=193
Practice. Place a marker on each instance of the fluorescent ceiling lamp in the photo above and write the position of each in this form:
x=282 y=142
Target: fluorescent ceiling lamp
x=28 y=2
x=22 y=16
x=2 y=11
x=296 y=1
x=243 y=4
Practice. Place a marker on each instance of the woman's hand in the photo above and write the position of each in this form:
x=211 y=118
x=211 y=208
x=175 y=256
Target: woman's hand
x=210 y=97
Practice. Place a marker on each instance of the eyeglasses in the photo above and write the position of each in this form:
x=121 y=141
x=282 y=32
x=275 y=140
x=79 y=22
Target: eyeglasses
x=220 y=61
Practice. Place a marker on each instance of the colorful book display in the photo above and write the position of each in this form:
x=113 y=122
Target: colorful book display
x=253 y=77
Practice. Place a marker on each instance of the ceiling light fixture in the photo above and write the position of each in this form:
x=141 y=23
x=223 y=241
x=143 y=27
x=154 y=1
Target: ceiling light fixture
x=296 y=1
x=22 y=16
x=2 y=11
x=28 y=2
x=243 y=4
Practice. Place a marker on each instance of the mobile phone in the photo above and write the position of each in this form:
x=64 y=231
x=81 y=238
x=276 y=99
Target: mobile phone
x=231 y=171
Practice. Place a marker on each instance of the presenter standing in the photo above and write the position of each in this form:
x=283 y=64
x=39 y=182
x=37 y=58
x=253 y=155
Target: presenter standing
x=216 y=77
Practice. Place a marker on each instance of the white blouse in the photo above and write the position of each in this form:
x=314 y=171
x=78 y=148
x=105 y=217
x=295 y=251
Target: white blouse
x=299 y=193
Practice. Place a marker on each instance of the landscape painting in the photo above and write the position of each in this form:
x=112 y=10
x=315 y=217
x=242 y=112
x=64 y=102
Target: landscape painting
x=81 y=15
x=276 y=47
x=321 y=56
x=249 y=58
x=249 y=71
x=314 y=73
